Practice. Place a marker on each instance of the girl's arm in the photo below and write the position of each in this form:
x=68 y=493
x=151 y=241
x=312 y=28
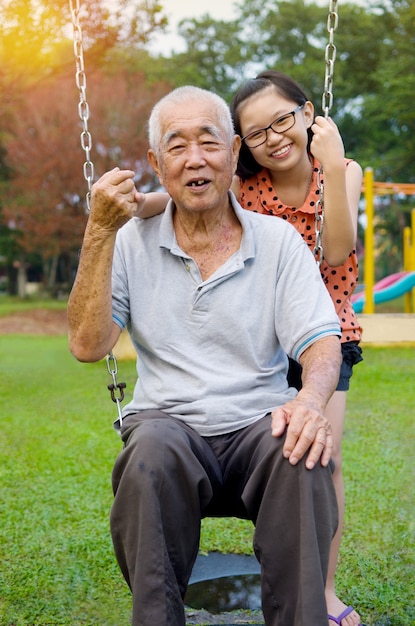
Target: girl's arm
x=150 y=204
x=342 y=189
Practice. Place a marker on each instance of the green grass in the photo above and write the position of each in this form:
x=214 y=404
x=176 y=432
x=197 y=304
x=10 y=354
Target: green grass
x=13 y=304
x=57 y=450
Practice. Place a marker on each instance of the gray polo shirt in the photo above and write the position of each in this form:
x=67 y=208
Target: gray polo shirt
x=213 y=352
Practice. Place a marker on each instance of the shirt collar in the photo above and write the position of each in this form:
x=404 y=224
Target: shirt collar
x=167 y=236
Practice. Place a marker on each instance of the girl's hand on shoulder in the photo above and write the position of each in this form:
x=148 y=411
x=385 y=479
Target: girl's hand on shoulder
x=140 y=199
x=151 y=203
x=327 y=144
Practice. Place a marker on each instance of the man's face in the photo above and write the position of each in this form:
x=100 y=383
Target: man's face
x=196 y=161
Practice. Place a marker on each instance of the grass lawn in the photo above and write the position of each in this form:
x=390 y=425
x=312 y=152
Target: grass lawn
x=57 y=450
x=13 y=304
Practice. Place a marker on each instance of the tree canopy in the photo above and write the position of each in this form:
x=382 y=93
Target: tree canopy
x=42 y=208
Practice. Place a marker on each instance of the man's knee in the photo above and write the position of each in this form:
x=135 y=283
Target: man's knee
x=147 y=426
x=144 y=455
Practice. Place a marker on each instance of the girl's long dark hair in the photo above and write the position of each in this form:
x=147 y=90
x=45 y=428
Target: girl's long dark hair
x=286 y=87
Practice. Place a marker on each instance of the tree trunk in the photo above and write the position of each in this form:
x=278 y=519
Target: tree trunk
x=21 y=278
x=53 y=266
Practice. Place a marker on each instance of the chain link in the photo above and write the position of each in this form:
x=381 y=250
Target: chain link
x=319 y=219
x=327 y=103
x=83 y=108
x=330 y=57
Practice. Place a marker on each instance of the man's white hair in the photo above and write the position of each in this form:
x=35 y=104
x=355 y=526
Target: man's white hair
x=182 y=95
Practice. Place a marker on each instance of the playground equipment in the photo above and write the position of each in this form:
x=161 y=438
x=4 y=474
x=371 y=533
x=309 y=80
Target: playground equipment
x=409 y=259
x=389 y=288
x=405 y=285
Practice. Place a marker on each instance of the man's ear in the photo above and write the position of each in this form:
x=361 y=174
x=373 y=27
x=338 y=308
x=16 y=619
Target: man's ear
x=152 y=159
x=308 y=113
x=236 y=146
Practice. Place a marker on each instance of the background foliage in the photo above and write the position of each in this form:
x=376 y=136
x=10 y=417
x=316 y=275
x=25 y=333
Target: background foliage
x=42 y=206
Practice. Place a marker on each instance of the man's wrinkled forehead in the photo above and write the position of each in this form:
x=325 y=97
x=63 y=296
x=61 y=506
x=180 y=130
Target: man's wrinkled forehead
x=196 y=118
x=198 y=131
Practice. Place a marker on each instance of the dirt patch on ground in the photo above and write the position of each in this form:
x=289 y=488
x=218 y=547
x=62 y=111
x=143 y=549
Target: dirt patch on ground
x=35 y=322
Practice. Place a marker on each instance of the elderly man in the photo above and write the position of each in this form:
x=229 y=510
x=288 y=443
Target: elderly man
x=214 y=298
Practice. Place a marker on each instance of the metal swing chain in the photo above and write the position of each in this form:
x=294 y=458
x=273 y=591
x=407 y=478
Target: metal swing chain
x=327 y=103
x=88 y=169
x=83 y=108
x=113 y=371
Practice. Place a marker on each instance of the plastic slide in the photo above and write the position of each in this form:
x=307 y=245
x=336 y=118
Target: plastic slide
x=381 y=284
x=388 y=288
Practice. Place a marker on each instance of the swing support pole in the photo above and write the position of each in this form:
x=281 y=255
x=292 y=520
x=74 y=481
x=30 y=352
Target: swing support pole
x=369 y=268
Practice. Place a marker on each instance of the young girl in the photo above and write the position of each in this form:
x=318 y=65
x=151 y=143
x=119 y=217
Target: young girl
x=283 y=146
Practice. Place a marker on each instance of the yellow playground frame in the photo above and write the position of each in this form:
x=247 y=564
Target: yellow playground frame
x=372 y=188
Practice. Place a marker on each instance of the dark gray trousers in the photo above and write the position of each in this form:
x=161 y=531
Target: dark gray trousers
x=167 y=478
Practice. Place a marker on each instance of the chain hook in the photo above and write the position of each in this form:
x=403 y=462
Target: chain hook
x=115 y=385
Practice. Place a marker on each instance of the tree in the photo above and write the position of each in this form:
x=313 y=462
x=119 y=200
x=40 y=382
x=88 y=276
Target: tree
x=388 y=116
x=214 y=58
x=39 y=204
x=45 y=25
x=291 y=37
x=42 y=202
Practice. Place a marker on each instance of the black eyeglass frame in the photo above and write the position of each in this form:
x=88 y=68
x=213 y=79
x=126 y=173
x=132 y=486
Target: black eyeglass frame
x=270 y=127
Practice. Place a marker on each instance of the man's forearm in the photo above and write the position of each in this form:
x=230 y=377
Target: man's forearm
x=92 y=332
x=89 y=305
x=321 y=367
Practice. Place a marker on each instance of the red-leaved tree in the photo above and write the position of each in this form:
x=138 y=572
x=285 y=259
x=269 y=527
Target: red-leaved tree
x=44 y=201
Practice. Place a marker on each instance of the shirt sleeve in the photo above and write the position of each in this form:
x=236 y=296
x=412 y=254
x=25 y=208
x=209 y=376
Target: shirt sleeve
x=304 y=309
x=120 y=295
